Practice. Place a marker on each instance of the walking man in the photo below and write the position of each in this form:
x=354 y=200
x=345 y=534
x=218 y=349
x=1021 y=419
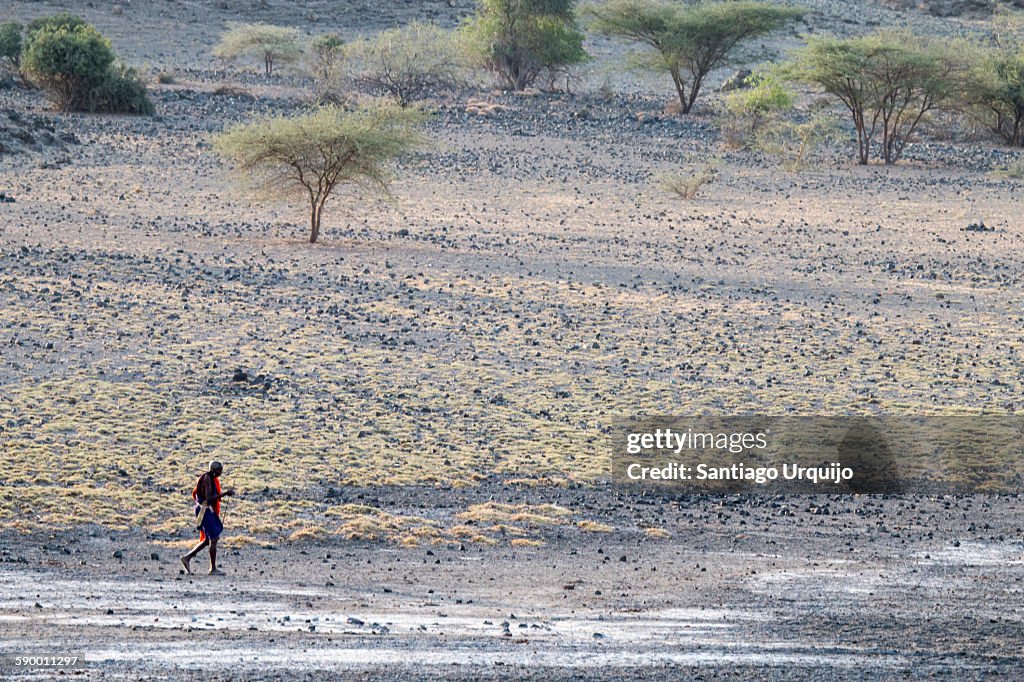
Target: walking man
x=207 y=495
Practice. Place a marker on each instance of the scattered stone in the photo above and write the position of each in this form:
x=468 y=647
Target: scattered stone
x=978 y=227
x=951 y=8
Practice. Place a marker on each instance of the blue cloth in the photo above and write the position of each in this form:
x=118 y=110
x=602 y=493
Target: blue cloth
x=211 y=525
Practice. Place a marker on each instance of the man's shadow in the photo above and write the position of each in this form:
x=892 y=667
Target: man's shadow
x=865 y=450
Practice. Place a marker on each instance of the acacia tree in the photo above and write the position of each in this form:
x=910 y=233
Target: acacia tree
x=688 y=40
x=271 y=44
x=995 y=88
x=313 y=153
x=889 y=82
x=995 y=91
x=519 y=40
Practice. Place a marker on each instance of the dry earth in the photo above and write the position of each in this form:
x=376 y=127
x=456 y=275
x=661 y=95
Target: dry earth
x=422 y=401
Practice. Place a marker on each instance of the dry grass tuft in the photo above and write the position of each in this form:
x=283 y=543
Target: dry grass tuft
x=538 y=515
x=689 y=184
x=524 y=542
x=483 y=108
x=594 y=527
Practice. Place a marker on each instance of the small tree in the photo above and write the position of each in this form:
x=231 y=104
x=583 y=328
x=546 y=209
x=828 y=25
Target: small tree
x=326 y=61
x=688 y=40
x=889 y=82
x=996 y=88
x=10 y=44
x=269 y=44
x=311 y=154
x=407 y=63
x=520 y=40
x=325 y=50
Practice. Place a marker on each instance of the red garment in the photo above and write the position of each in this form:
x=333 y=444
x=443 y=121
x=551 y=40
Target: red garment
x=215 y=506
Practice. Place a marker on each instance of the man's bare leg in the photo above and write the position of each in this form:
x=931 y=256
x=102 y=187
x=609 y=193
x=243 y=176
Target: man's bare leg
x=185 y=560
x=213 y=559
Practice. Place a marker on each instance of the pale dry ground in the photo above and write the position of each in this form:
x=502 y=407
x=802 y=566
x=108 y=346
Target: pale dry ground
x=747 y=589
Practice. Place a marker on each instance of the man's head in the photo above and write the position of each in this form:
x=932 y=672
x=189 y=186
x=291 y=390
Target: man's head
x=216 y=468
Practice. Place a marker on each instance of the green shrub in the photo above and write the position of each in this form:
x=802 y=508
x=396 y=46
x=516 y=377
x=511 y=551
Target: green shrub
x=122 y=91
x=311 y=154
x=268 y=44
x=10 y=44
x=406 y=63
x=750 y=110
x=68 y=63
x=795 y=143
x=53 y=22
x=688 y=40
x=519 y=41
x=763 y=95
x=73 y=63
x=889 y=82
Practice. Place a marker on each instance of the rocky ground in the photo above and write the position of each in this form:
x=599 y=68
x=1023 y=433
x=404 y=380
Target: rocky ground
x=416 y=410
x=787 y=588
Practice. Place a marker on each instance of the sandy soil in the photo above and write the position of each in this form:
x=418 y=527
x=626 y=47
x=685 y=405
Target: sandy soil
x=468 y=347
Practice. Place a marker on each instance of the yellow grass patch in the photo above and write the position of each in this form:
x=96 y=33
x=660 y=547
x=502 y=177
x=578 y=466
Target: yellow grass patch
x=524 y=542
x=594 y=527
x=533 y=515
